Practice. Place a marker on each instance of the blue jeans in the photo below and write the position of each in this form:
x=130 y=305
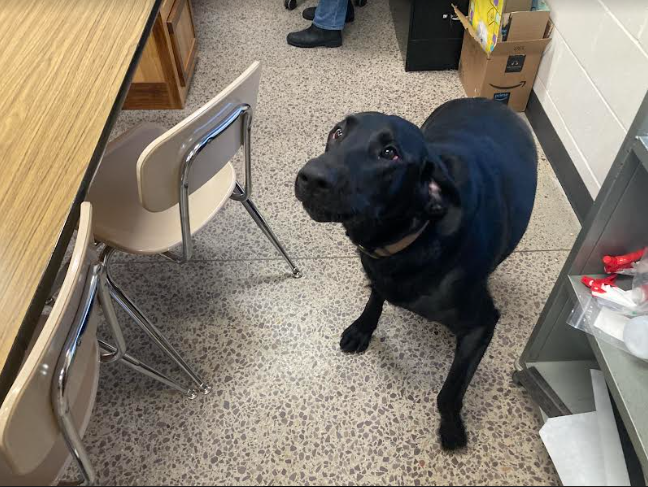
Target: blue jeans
x=331 y=14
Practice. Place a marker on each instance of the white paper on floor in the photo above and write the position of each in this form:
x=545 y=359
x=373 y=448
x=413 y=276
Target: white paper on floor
x=586 y=448
x=616 y=470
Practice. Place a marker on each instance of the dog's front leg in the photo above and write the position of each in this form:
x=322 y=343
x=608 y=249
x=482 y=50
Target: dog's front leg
x=357 y=337
x=472 y=343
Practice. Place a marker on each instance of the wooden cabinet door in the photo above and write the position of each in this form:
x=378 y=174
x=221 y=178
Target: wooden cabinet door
x=183 y=39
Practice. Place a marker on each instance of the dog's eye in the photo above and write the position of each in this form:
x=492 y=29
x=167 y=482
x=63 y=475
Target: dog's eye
x=337 y=133
x=390 y=153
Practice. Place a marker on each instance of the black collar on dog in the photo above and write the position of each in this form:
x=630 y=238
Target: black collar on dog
x=394 y=248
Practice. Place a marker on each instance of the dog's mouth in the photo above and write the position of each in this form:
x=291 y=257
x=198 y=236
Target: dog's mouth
x=318 y=212
x=322 y=215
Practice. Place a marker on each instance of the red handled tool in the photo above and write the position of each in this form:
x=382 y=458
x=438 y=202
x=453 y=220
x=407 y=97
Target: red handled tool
x=621 y=262
x=596 y=285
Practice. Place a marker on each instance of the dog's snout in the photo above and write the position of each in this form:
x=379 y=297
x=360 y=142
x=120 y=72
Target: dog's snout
x=315 y=179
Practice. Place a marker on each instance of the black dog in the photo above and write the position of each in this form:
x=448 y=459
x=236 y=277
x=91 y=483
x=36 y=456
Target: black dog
x=433 y=211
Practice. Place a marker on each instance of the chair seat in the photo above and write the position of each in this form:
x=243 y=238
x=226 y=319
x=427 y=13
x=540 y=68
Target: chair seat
x=122 y=222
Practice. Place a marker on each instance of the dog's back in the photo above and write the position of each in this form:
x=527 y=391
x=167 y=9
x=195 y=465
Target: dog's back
x=495 y=147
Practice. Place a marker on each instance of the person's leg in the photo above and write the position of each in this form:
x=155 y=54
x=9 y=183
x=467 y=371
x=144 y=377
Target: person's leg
x=326 y=30
x=309 y=13
x=331 y=14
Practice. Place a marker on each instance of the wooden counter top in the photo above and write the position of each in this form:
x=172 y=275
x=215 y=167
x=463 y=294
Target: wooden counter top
x=65 y=67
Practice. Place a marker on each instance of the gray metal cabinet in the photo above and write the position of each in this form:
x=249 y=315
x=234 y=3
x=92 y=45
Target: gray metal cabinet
x=555 y=365
x=429 y=33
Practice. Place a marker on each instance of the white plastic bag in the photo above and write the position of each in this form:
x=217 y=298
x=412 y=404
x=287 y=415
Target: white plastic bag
x=640 y=284
x=606 y=313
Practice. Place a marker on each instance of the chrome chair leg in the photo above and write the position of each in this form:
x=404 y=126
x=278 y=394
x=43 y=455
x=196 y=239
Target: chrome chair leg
x=144 y=369
x=105 y=300
x=77 y=450
x=61 y=381
x=147 y=327
x=155 y=335
x=265 y=228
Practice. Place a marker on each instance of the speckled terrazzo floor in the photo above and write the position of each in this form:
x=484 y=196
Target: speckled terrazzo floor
x=288 y=407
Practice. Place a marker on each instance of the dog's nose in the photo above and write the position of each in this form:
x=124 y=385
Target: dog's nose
x=313 y=178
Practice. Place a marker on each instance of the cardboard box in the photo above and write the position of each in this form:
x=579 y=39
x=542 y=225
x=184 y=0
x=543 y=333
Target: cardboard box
x=507 y=74
x=517 y=6
x=527 y=26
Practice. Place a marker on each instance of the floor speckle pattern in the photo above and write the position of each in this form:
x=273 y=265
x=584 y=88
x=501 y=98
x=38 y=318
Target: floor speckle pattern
x=288 y=408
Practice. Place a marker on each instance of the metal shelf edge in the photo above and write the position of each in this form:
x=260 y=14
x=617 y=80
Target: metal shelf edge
x=641 y=150
x=608 y=358
x=619 y=367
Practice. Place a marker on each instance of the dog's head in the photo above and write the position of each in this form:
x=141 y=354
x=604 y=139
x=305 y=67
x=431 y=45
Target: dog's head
x=377 y=169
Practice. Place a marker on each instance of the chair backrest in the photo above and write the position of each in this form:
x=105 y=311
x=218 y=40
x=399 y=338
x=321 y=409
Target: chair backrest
x=158 y=168
x=31 y=443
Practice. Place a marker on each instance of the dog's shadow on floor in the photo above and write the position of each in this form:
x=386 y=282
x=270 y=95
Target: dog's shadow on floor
x=412 y=350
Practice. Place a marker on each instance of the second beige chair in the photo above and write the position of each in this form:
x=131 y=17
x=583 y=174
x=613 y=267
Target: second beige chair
x=155 y=188
x=47 y=409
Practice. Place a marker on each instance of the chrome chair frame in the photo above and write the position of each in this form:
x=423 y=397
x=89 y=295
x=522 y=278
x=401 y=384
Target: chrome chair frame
x=110 y=291
x=59 y=390
x=98 y=287
x=241 y=194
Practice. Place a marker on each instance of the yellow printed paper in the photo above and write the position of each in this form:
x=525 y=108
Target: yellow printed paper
x=486 y=18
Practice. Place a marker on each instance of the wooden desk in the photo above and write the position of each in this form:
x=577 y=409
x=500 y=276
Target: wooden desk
x=65 y=67
x=164 y=74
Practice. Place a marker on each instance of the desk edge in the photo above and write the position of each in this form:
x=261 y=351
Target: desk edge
x=11 y=367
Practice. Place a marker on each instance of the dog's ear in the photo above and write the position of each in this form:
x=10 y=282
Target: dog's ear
x=438 y=188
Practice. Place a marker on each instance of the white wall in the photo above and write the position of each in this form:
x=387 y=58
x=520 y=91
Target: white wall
x=593 y=78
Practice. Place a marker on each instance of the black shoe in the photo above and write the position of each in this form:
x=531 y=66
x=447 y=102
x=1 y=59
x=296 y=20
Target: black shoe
x=315 y=37
x=309 y=13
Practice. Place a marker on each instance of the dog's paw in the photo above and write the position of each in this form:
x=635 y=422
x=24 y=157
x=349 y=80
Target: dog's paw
x=453 y=434
x=354 y=340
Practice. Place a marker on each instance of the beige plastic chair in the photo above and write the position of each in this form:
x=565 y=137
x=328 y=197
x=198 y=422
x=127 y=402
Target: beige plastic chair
x=49 y=406
x=47 y=409
x=155 y=188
